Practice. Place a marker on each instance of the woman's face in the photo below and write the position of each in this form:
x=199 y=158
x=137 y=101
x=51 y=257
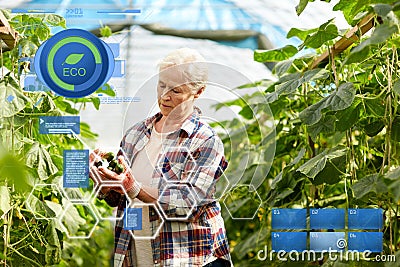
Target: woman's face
x=174 y=93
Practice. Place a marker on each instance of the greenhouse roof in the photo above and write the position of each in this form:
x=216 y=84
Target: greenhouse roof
x=271 y=18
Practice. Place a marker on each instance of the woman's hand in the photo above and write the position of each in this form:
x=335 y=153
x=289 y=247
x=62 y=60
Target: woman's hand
x=126 y=177
x=95 y=156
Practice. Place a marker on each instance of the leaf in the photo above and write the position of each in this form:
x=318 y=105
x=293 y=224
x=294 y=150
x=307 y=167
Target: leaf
x=282 y=67
x=395 y=131
x=55 y=20
x=374 y=107
x=289 y=83
x=53 y=246
x=39 y=159
x=39 y=207
x=340 y=99
x=247 y=112
x=5 y=201
x=315 y=74
x=326 y=32
x=381 y=34
x=55 y=207
x=301 y=34
x=396 y=87
x=332 y=172
x=371 y=183
x=274 y=55
x=346 y=118
x=372 y=126
x=296 y=160
x=325 y=125
x=316 y=164
x=106 y=89
x=71 y=219
x=96 y=102
x=393 y=174
x=12 y=100
x=301 y=6
x=394 y=188
x=105 y=31
x=73 y=59
x=350 y=9
x=13 y=170
x=382 y=9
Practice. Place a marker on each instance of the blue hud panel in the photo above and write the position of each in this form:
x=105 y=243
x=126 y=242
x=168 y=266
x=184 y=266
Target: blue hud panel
x=133 y=219
x=59 y=125
x=289 y=219
x=365 y=219
x=327 y=219
x=362 y=241
x=288 y=241
x=327 y=241
x=76 y=168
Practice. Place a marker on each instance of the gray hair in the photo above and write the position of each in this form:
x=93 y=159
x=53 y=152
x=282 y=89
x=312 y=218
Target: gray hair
x=190 y=64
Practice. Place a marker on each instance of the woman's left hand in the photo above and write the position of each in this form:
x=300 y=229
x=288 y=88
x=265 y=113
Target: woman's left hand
x=126 y=177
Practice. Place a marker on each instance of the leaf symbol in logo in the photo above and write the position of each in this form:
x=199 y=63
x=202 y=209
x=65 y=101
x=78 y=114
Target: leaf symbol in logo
x=73 y=59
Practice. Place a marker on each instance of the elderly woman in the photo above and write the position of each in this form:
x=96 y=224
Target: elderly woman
x=172 y=162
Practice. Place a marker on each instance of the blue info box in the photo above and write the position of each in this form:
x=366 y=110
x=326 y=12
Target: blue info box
x=59 y=125
x=289 y=241
x=327 y=218
x=76 y=168
x=133 y=219
x=362 y=241
x=327 y=241
x=289 y=219
x=370 y=219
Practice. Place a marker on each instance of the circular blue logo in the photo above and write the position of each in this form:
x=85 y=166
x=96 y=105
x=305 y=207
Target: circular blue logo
x=74 y=63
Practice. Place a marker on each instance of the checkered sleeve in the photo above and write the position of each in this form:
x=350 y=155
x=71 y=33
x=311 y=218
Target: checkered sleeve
x=185 y=200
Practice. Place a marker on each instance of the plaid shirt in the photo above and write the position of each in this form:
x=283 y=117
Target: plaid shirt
x=189 y=165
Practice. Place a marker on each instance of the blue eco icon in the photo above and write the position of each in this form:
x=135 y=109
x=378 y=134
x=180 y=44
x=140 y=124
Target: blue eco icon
x=74 y=63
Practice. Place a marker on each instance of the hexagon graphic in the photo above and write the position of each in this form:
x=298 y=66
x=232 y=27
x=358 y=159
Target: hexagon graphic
x=176 y=164
x=43 y=201
x=146 y=234
x=241 y=199
x=176 y=201
x=103 y=210
x=78 y=194
x=205 y=187
x=74 y=225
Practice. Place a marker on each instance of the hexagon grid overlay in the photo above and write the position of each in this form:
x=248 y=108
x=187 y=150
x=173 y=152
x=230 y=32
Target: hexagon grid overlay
x=176 y=201
x=74 y=225
x=79 y=194
x=44 y=208
x=105 y=212
x=242 y=195
x=144 y=235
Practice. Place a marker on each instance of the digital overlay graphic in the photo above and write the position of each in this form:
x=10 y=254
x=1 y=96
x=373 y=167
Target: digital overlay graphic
x=74 y=63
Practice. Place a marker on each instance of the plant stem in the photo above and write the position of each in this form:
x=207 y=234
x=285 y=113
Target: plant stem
x=24 y=257
x=5 y=230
